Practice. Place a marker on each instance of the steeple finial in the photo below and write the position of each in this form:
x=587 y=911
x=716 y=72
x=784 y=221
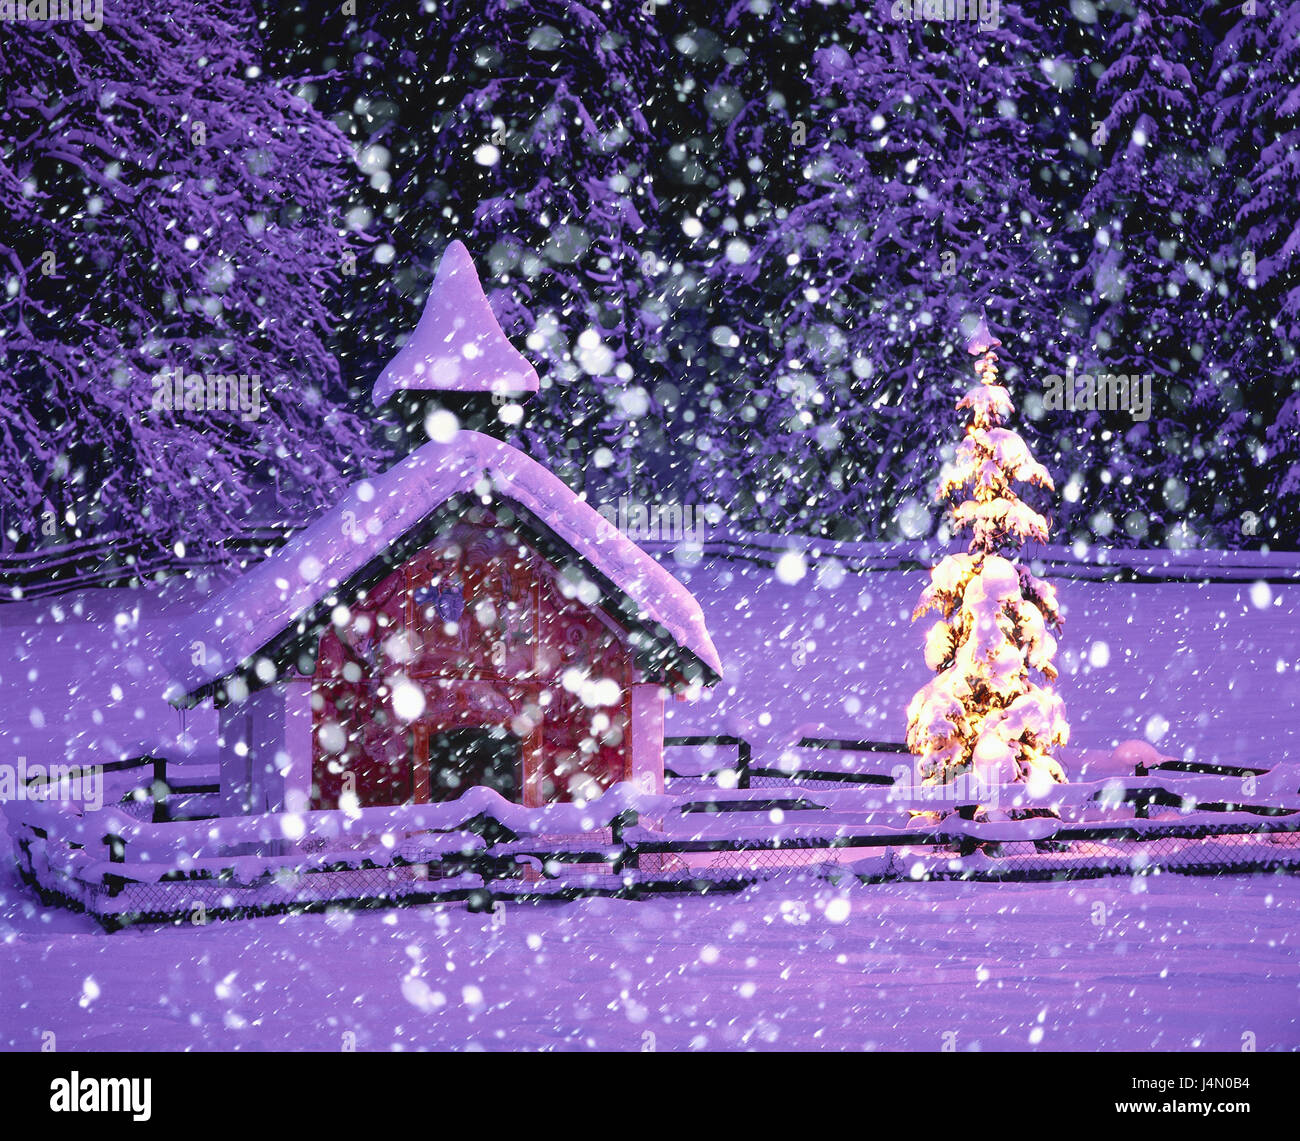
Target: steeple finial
x=457 y=346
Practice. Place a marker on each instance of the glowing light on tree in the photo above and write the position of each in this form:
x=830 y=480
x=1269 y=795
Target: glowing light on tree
x=983 y=714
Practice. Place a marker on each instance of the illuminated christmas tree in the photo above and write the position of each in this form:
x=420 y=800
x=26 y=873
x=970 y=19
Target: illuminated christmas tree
x=983 y=716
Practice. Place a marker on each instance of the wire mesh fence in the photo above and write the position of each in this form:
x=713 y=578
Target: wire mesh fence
x=1208 y=850
x=717 y=843
x=801 y=780
x=198 y=899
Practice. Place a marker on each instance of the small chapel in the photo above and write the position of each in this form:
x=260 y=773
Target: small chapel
x=461 y=619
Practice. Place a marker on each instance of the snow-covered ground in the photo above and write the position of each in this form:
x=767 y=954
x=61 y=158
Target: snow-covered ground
x=1208 y=671
x=1165 y=963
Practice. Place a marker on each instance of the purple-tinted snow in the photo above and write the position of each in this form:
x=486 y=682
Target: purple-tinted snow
x=1176 y=962
x=458 y=345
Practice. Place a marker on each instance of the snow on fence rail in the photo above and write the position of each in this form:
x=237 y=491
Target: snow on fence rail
x=111 y=832
x=481 y=847
x=116 y=560
x=1090 y=561
x=787 y=767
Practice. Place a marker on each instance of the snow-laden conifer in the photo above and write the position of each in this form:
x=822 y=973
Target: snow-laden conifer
x=984 y=714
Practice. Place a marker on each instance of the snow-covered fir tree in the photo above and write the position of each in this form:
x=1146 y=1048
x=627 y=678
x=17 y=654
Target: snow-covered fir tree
x=169 y=215
x=1257 y=124
x=983 y=714
x=521 y=129
x=846 y=289
x=1149 y=281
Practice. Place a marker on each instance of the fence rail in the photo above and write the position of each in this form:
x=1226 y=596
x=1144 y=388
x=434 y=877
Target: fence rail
x=1090 y=562
x=116 y=560
x=481 y=849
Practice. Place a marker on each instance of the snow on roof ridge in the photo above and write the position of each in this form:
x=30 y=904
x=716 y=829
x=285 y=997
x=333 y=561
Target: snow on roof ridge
x=375 y=513
x=457 y=345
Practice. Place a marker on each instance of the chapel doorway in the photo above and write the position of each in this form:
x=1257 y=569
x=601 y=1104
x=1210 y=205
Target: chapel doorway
x=459 y=759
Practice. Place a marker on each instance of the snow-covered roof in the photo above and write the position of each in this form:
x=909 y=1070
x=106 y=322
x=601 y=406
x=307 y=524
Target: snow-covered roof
x=270 y=598
x=457 y=345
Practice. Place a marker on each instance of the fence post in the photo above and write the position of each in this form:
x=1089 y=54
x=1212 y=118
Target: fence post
x=116 y=846
x=625 y=819
x=617 y=827
x=159 y=790
x=967 y=845
x=742 y=762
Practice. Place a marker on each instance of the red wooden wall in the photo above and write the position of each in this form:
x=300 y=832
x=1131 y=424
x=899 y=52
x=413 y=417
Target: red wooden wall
x=481 y=626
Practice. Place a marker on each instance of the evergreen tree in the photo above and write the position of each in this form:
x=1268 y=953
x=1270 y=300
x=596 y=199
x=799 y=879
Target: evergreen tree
x=525 y=131
x=165 y=208
x=982 y=714
x=913 y=161
x=1257 y=125
x=1149 y=280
